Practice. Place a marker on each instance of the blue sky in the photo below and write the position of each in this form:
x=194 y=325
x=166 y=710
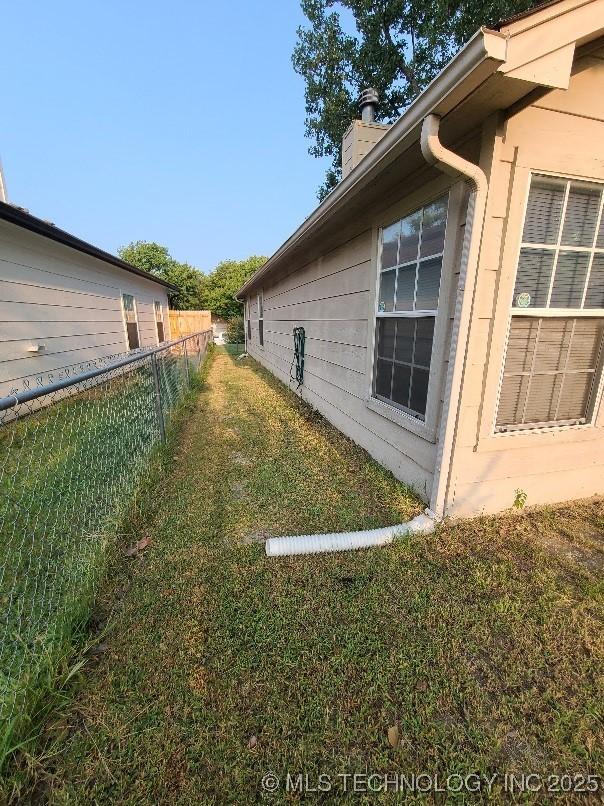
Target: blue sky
x=180 y=122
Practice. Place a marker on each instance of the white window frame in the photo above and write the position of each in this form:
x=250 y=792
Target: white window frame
x=157 y=302
x=456 y=209
x=125 y=322
x=260 y=312
x=561 y=313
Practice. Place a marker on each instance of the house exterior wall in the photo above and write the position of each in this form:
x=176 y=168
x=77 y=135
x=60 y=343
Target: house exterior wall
x=334 y=298
x=70 y=302
x=561 y=132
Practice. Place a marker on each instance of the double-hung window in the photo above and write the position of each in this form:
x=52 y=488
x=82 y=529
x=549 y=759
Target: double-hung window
x=131 y=320
x=159 y=320
x=411 y=258
x=553 y=361
x=261 y=318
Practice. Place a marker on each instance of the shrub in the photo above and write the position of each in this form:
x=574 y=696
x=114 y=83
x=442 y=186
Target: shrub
x=235 y=333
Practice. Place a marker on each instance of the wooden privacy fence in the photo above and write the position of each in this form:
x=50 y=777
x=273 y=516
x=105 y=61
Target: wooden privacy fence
x=184 y=323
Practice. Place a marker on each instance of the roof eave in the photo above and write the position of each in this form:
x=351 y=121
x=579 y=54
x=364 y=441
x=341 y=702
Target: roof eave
x=36 y=225
x=486 y=50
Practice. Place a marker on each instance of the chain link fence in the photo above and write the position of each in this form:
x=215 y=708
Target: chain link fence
x=72 y=455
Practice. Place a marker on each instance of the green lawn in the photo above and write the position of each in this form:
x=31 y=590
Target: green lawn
x=480 y=647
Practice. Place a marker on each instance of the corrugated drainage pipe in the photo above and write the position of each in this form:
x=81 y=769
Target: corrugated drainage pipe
x=345 y=541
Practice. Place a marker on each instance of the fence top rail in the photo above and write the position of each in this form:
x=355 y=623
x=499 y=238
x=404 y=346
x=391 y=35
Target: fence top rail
x=27 y=395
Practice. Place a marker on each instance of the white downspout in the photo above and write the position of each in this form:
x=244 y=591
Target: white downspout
x=436 y=154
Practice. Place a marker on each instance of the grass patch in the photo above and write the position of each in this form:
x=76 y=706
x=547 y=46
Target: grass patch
x=70 y=474
x=482 y=644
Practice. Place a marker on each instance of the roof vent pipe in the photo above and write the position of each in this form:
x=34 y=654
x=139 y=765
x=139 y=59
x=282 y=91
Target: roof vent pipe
x=368 y=101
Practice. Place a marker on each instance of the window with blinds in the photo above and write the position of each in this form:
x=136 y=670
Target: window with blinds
x=554 y=354
x=409 y=284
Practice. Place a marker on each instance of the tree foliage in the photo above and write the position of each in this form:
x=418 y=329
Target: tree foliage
x=235 y=332
x=226 y=279
x=396 y=46
x=156 y=259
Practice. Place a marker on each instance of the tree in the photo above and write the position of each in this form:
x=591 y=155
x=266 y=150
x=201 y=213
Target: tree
x=156 y=259
x=223 y=283
x=398 y=47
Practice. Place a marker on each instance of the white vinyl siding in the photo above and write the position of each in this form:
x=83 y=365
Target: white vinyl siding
x=407 y=303
x=553 y=361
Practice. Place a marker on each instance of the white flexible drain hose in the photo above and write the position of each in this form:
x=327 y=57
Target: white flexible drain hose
x=345 y=541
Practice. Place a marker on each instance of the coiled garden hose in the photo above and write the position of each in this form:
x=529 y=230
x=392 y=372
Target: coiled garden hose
x=297 y=375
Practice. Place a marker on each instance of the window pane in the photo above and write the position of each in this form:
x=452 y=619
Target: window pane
x=390 y=245
x=521 y=344
x=533 y=278
x=405 y=290
x=433 y=228
x=544 y=210
x=405 y=336
x=386 y=332
x=419 y=390
x=543 y=397
x=423 y=342
x=383 y=378
x=587 y=338
x=581 y=215
x=549 y=370
x=386 y=298
x=410 y=228
x=400 y=384
x=594 y=298
x=600 y=240
x=428 y=284
x=574 y=398
x=569 y=280
x=512 y=399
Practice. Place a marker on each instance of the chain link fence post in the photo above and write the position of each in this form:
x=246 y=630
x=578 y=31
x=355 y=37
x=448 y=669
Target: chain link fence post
x=157 y=395
x=186 y=354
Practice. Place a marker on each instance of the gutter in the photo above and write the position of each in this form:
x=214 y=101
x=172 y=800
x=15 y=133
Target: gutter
x=449 y=162
x=25 y=220
x=486 y=49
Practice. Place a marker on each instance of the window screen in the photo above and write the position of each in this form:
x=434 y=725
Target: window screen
x=130 y=317
x=554 y=350
x=409 y=286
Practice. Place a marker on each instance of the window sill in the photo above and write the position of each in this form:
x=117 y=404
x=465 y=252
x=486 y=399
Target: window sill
x=400 y=418
x=508 y=440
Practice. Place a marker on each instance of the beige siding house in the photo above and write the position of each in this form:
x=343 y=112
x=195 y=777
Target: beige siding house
x=451 y=287
x=65 y=303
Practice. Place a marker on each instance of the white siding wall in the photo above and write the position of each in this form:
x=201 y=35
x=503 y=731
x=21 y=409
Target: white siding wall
x=332 y=298
x=68 y=301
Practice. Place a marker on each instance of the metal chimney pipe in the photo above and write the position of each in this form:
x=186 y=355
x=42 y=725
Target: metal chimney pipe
x=368 y=101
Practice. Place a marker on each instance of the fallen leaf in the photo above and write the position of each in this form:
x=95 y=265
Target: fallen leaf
x=393 y=736
x=253 y=742
x=140 y=545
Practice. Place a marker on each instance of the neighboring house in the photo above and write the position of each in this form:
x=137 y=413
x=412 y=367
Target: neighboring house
x=453 y=298
x=65 y=303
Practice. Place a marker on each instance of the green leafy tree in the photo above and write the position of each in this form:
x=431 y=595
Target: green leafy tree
x=156 y=259
x=396 y=46
x=235 y=332
x=223 y=283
